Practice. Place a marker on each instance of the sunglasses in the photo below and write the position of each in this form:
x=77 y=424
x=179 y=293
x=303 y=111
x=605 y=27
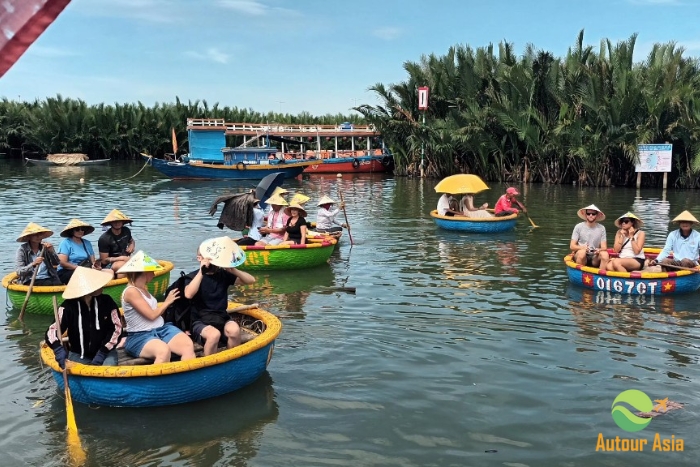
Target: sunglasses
x=79 y=229
x=591 y=213
x=625 y=221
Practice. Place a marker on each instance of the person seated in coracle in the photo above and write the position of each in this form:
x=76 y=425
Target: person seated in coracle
x=629 y=244
x=27 y=258
x=208 y=290
x=469 y=210
x=148 y=335
x=504 y=205
x=254 y=234
x=588 y=240
x=447 y=206
x=75 y=251
x=683 y=242
x=326 y=216
x=91 y=319
x=296 y=228
x=116 y=244
x=273 y=233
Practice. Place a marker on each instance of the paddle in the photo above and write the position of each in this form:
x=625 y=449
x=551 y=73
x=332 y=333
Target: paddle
x=345 y=213
x=522 y=206
x=75 y=448
x=31 y=286
x=673 y=266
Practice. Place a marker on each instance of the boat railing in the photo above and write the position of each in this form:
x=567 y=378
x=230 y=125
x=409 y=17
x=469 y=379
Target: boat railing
x=206 y=122
x=330 y=154
x=286 y=128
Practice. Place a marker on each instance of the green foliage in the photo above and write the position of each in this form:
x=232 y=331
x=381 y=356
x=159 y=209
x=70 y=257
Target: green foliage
x=539 y=118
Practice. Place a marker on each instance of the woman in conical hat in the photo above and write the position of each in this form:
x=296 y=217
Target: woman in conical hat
x=149 y=336
x=296 y=228
x=273 y=232
x=91 y=319
x=116 y=244
x=629 y=243
x=683 y=242
x=27 y=257
x=326 y=216
x=75 y=251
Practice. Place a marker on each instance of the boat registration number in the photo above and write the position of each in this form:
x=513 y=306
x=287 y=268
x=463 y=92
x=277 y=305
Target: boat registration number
x=626 y=286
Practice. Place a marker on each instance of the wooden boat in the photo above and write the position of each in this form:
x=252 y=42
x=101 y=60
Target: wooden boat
x=40 y=301
x=352 y=164
x=633 y=283
x=178 y=382
x=278 y=257
x=56 y=164
x=475 y=225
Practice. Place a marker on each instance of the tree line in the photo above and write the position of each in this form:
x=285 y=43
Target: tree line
x=541 y=118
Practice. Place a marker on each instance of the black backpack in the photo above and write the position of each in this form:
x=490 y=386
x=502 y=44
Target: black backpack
x=179 y=312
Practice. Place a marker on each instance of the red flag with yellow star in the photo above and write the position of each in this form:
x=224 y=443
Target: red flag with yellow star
x=668 y=286
x=587 y=279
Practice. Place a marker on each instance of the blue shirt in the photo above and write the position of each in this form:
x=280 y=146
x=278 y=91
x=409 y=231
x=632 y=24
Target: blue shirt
x=75 y=251
x=682 y=248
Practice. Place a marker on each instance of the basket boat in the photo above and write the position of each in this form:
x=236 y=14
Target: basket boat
x=475 y=225
x=279 y=257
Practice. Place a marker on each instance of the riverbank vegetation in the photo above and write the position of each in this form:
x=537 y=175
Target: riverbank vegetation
x=120 y=131
x=541 y=118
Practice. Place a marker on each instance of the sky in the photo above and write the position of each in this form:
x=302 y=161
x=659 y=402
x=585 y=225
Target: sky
x=318 y=56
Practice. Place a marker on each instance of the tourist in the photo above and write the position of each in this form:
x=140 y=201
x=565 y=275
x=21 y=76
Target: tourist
x=504 y=205
x=588 y=241
x=446 y=206
x=75 y=251
x=27 y=258
x=468 y=209
x=296 y=228
x=273 y=234
x=683 y=242
x=116 y=244
x=148 y=335
x=208 y=290
x=326 y=217
x=91 y=319
x=256 y=224
x=629 y=244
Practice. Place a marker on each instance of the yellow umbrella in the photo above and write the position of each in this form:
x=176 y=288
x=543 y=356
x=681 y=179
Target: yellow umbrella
x=461 y=183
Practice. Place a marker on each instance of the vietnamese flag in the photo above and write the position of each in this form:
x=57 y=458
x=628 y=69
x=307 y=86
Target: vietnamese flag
x=21 y=23
x=668 y=286
x=587 y=279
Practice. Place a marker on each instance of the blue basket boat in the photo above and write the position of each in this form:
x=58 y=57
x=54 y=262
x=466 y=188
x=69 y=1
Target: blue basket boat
x=475 y=225
x=632 y=283
x=174 y=382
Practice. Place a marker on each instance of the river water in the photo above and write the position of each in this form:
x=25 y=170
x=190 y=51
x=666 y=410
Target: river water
x=456 y=350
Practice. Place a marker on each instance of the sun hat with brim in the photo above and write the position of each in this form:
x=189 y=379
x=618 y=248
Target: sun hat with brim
x=686 y=216
x=628 y=215
x=222 y=252
x=68 y=230
x=325 y=200
x=85 y=281
x=277 y=200
x=32 y=229
x=278 y=191
x=115 y=215
x=592 y=207
x=299 y=199
x=140 y=262
x=288 y=209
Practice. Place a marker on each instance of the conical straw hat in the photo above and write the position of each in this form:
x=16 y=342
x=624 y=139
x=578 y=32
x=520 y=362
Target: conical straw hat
x=592 y=207
x=278 y=191
x=140 y=262
x=85 y=281
x=325 y=200
x=277 y=200
x=76 y=223
x=628 y=215
x=299 y=199
x=115 y=215
x=32 y=229
x=222 y=252
x=293 y=205
x=685 y=216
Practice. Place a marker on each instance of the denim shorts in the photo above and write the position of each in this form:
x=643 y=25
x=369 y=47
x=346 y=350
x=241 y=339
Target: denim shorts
x=135 y=341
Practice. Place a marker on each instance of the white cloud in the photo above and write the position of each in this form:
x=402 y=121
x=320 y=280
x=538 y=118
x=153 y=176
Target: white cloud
x=212 y=54
x=387 y=33
x=254 y=8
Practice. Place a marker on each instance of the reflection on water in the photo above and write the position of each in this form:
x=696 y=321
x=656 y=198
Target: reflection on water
x=454 y=345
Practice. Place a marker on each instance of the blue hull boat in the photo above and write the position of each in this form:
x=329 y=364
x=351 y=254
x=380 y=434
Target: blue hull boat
x=475 y=225
x=241 y=171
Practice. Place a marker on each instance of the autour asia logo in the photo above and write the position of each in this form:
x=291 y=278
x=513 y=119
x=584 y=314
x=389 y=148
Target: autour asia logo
x=632 y=423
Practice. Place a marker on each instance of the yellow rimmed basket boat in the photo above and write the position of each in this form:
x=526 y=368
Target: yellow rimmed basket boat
x=632 y=283
x=280 y=257
x=173 y=383
x=40 y=301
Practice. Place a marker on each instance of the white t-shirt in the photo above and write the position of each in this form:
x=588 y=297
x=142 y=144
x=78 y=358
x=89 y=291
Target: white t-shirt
x=443 y=204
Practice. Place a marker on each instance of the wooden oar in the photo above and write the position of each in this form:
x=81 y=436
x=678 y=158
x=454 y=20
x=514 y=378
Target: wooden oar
x=31 y=286
x=345 y=213
x=531 y=221
x=75 y=448
x=673 y=266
